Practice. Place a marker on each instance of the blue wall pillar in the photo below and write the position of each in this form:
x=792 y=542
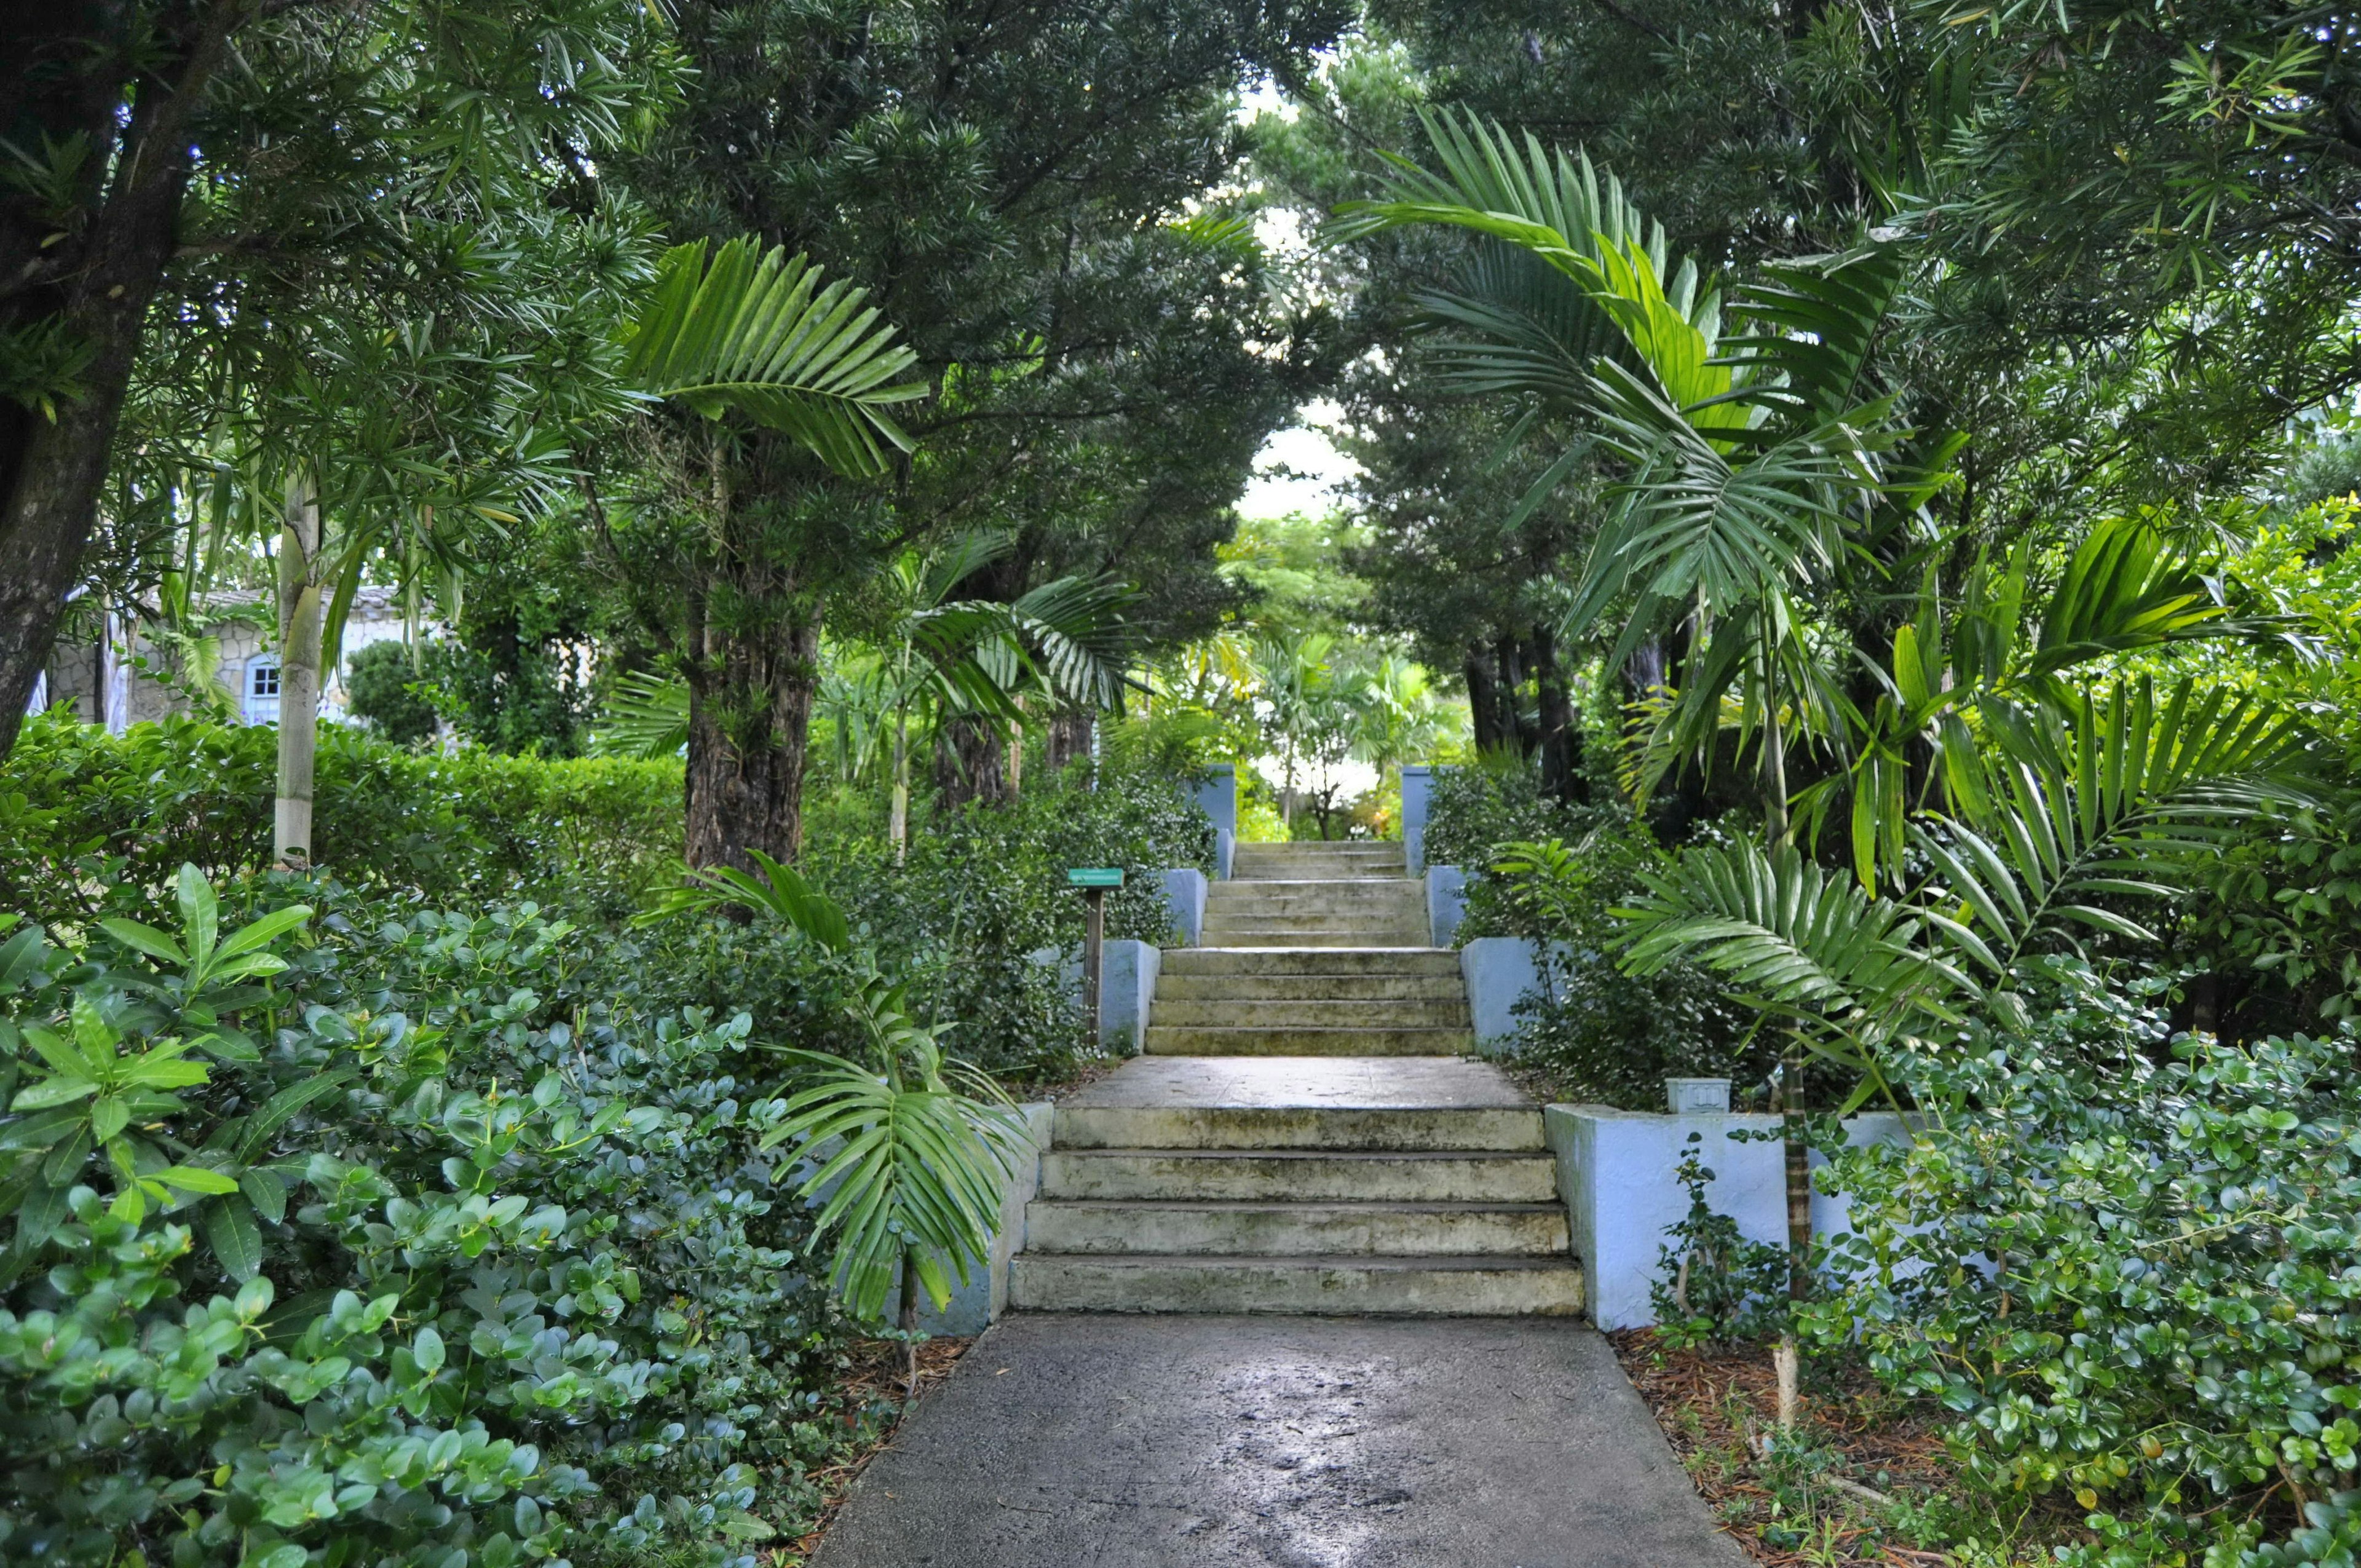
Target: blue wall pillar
x=1216 y=795
x=1418 y=786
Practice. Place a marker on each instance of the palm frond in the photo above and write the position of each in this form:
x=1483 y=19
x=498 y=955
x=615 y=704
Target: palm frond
x=1854 y=973
x=2121 y=796
x=758 y=333
x=646 y=714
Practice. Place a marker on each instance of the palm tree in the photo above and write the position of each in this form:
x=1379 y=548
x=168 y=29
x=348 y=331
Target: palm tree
x=1067 y=640
x=933 y=657
x=1759 y=470
x=906 y=1151
x=755 y=334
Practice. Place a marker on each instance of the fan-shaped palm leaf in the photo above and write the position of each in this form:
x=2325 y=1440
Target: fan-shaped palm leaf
x=908 y=1175
x=646 y=714
x=1853 y=973
x=2120 y=797
x=758 y=333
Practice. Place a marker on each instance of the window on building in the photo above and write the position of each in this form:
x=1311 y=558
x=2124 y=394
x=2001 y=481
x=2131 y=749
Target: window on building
x=262 y=704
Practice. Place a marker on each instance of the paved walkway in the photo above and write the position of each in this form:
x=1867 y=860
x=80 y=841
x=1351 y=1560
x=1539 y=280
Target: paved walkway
x=1072 y=1440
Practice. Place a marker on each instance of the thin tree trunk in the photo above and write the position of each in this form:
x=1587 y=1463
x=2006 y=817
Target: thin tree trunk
x=300 y=607
x=1794 y=1134
x=1561 y=739
x=909 y=1323
x=897 y=823
x=1484 y=700
x=1069 y=738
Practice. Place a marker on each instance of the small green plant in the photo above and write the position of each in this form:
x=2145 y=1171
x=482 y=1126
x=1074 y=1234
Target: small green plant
x=907 y=1147
x=1714 y=1285
x=2133 y=1281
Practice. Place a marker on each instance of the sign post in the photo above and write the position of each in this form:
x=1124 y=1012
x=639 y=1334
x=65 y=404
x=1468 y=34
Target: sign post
x=1093 y=881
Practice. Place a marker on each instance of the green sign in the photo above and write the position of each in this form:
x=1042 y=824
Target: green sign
x=1096 y=876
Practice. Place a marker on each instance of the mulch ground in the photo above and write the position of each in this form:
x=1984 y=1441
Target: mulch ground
x=879 y=1373
x=1718 y=1406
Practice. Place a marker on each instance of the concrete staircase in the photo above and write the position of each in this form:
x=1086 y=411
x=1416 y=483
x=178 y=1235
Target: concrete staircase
x=1304 y=1134
x=1316 y=895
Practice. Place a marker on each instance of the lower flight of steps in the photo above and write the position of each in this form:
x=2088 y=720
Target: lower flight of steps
x=1330 y=1185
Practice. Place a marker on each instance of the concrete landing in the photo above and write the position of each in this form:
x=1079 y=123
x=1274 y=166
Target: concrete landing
x=1282 y=1083
x=1088 y=1441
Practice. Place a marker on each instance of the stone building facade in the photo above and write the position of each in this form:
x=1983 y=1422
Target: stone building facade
x=105 y=682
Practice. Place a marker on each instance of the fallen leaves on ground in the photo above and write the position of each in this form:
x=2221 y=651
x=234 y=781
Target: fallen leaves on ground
x=1718 y=1405
x=879 y=1371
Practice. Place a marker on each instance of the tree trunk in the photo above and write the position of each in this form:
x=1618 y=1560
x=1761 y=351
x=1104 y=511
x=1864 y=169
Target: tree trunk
x=898 y=822
x=749 y=705
x=1561 y=738
x=972 y=765
x=1484 y=700
x=95 y=275
x=300 y=609
x=1643 y=671
x=909 y=1319
x=1512 y=696
x=1070 y=731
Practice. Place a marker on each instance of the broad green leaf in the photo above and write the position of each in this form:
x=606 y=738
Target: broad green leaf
x=271 y=926
x=54 y=1091
x=145 y=940
x=195 y=1178
x=108 y=1116
x=199 y=913
x=236 y=1239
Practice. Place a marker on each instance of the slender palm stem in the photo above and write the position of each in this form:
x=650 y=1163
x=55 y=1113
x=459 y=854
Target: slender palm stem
x=909 y=1323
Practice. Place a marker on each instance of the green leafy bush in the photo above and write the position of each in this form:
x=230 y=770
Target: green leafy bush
x=1713 y=1284
x=2136 y=1281
x=82 y=810
x=984 y=895
x=1555 y=874
x=438 y=1237
x=382 y=687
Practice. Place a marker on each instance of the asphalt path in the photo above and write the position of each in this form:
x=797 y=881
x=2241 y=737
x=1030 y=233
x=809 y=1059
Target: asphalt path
x=1085 y=1440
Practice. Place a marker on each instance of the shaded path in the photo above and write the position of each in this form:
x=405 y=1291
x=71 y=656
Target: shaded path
x=1077 y=1441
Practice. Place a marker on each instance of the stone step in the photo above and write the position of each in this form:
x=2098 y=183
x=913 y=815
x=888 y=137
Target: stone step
x=1316 y=850
x=1376 y=917
x=1284 y=894
x=1143 y=1228
x=1199 y=1041
x=1282 y=941
x=1170 y=986
x=1389 y=913
x=1310 y=934
x=1298 y=1175
x=1397 y=912
x=1250 y=869
x=1406 y=1286
x=1421 y=962
x=1500 y=1129
x=1322 y=1012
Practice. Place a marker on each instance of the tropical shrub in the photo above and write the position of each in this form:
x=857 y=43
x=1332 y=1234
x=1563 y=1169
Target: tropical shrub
x=384 y=687
x=431 y=1236
x=2132 y=1270
x=1555 y=874
x=83 y=809
x=978 y=917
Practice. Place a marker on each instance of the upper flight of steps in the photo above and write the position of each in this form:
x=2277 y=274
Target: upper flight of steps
x=1316 y=895
x=1312 y=950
